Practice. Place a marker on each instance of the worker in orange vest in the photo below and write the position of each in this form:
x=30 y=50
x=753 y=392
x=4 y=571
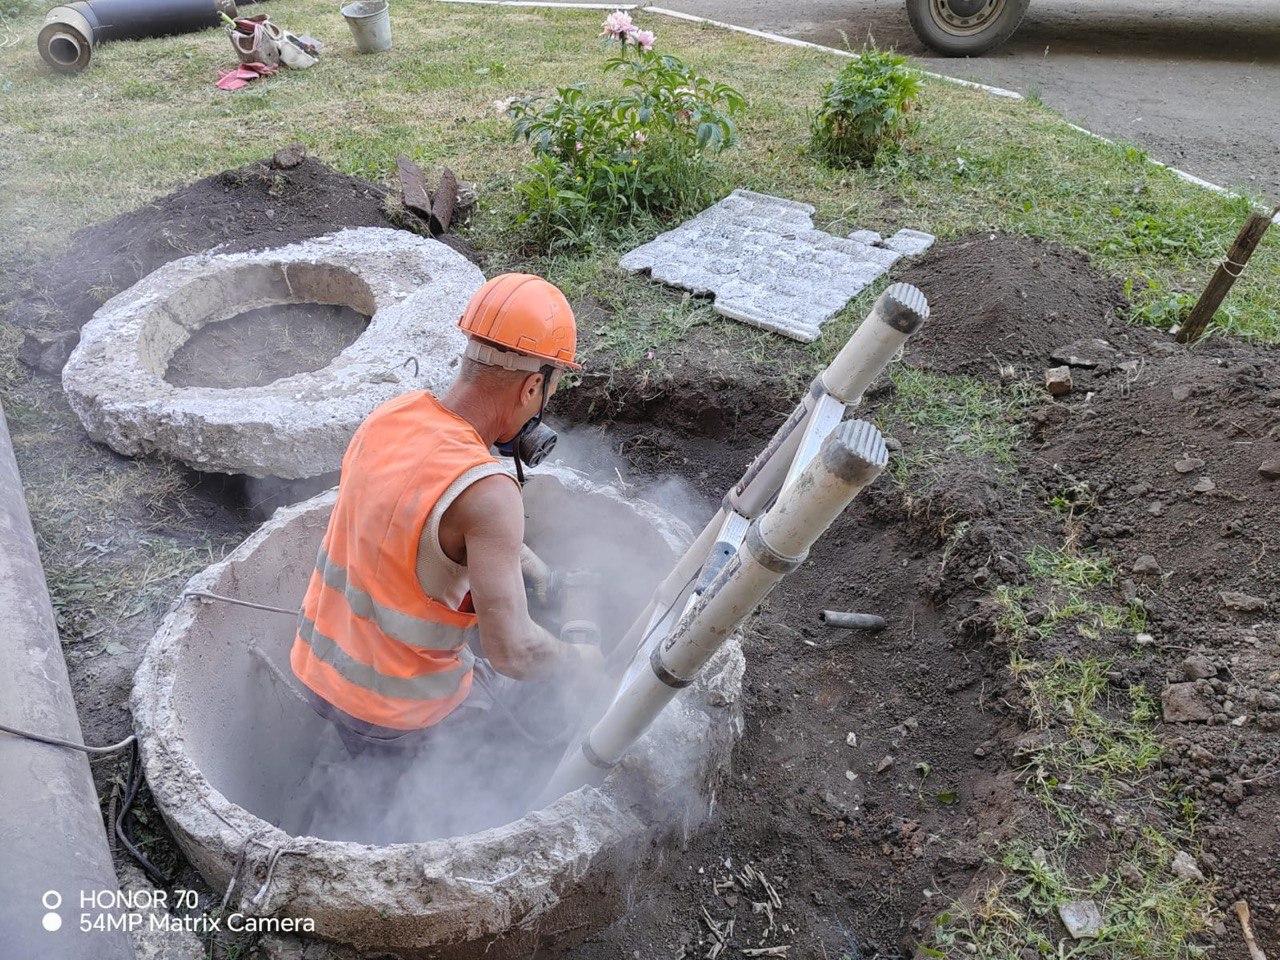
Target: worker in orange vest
x=420 y=568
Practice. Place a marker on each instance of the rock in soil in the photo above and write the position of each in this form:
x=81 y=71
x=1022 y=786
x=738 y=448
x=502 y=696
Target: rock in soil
x=1057 y=380
x=1243 y=602
x=1184 y=703
x=1089 y=353
x=1146 y=565
x=1082 y=918
x=1198 y=667
x=1184 y=866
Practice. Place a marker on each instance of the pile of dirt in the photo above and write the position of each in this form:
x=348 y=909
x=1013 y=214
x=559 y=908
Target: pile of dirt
x=261 y=346
x=257 y=206
x=1001 y=300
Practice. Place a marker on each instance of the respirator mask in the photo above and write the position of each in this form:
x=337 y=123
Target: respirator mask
x=533 y=441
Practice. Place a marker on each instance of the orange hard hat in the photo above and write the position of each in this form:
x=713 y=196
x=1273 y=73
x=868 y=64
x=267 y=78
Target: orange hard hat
x=524 y=313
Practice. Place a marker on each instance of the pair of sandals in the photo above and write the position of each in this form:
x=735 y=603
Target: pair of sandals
x=258 y=40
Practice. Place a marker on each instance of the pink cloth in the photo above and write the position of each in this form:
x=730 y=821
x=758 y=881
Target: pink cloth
x=243 y=75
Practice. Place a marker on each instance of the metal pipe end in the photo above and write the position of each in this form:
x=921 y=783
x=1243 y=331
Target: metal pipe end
x=855 y=451
x=903 y=307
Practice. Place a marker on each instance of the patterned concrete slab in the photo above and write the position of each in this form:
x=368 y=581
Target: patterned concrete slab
x=768 y=265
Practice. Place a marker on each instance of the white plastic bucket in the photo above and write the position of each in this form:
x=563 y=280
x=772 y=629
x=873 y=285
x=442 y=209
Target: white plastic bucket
x=370 y=23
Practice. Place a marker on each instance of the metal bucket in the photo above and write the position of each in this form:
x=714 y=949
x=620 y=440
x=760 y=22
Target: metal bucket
x=370 y=23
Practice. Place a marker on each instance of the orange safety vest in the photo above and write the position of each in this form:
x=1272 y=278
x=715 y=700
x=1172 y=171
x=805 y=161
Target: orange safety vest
x=371 y=641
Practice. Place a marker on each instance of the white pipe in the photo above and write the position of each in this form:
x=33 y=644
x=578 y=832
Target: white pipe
x=897 y=313
x=852 y=456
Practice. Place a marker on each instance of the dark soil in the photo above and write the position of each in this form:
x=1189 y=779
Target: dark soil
x=263 y=345
x=863 y=864
x=862 y=838
x=997 y=299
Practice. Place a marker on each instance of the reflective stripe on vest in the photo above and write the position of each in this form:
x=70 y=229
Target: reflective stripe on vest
x=426 y=686
x=410 y=630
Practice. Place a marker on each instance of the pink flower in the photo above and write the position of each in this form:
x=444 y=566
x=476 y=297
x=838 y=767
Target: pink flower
x=644 y=38
x=618 y=25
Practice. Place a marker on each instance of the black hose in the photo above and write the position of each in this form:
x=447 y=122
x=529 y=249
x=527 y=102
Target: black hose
x=131 y=794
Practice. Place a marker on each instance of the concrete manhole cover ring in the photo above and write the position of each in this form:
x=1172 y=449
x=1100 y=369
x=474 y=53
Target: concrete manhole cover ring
x=205 y=710
x=414 y=289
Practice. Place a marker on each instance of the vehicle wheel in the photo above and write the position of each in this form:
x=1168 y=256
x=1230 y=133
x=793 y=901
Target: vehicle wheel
x=965 y=28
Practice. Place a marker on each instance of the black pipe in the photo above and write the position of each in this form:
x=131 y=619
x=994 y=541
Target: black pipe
x=72 y=30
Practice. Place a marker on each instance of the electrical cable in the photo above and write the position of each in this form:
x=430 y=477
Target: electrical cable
x=131 y=794
x=132 y=787
x=70 y=745
x=205 y=595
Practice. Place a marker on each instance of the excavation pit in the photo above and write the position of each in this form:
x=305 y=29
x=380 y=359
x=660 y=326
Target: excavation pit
x=445 y=859
x=262 y=363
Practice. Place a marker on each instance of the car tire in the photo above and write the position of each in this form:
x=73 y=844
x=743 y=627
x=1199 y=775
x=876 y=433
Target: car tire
x=965 y=28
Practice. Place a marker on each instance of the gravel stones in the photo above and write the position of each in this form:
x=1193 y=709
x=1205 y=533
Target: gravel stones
x=295 y=427
x=768 y=265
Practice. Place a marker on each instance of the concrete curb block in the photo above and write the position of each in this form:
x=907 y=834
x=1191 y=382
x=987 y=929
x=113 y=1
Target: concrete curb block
x=52 y=839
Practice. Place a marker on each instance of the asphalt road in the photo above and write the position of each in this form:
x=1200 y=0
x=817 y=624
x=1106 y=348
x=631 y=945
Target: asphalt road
x=1194 y=82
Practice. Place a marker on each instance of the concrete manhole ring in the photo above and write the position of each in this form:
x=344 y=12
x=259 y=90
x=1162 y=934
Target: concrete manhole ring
x=413 y=289
x=226 y=748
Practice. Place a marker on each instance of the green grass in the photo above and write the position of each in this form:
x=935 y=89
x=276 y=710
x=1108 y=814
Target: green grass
x=146 y=119
x=98 y=575
x=1147 y=913
x=953 y=415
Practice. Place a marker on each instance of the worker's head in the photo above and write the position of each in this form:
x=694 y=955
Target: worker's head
x=521 y=338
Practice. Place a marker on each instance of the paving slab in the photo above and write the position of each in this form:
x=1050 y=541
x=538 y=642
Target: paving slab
x=766 y=263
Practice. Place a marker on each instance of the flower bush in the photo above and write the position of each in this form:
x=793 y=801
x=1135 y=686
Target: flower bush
x=867 y=110
x=599 y=162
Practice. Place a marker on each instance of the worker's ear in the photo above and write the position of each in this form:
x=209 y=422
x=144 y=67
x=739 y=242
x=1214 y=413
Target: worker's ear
x=531 y=389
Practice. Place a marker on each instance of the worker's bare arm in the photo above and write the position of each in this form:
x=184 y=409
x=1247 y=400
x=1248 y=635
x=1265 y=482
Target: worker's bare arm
x=490 y=515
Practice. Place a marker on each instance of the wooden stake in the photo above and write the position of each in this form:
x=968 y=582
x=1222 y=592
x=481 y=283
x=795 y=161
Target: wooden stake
x=1220 y=283
x=1242 y=914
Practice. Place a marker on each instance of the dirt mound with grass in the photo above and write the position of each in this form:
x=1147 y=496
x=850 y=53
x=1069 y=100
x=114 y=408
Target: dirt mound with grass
x=1017 y=693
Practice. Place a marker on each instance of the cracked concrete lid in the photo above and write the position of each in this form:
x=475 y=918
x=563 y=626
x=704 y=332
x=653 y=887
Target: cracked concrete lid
x=413 y=288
